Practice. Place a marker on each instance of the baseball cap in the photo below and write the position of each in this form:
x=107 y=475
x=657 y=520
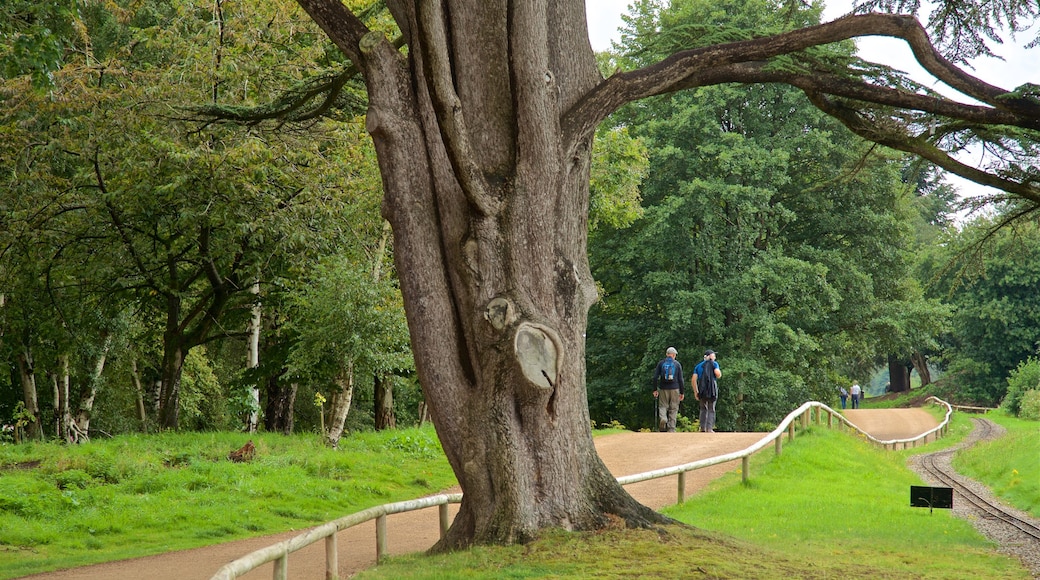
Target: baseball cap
x=671 y=350
x=709 y=352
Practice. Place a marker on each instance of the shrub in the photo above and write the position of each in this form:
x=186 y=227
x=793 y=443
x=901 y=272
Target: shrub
x=73 y=479
x=1022 y=380
x=1030 y=405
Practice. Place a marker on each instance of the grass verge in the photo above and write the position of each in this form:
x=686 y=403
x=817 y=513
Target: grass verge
x=1010 y=465
x=831 y=506
x=66 y=506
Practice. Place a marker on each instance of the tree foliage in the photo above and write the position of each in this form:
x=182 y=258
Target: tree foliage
x=120 y=199
x=770 y=235
x=990 y=277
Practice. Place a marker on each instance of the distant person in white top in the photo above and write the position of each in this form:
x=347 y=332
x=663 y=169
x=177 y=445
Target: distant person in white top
x=857 y=394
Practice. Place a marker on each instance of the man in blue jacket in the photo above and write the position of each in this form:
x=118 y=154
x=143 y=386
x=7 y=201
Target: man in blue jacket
x=706 y=389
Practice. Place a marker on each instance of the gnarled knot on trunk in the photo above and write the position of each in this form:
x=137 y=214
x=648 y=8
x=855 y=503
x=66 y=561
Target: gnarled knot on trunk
x=500 y=312
x=370 y=41
x=537 y=349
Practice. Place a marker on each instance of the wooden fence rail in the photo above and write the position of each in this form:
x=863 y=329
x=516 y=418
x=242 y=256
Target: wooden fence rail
x=805 y=415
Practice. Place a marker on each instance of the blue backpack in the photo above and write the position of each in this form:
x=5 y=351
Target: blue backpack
x=668 y=370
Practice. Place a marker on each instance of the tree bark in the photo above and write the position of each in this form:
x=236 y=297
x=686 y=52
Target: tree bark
x=170 y=383
x=62 y=410
x=920 y=362
x=340 y=405
x=384 y=403
x=142 y=414
x=27 y=373
x=253 y=360
x=281 y=402
x=81 y=427
x=898 y=377
x=483 y=131
x=488 y=200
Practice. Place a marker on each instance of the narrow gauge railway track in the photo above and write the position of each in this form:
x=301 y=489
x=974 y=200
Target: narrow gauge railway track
x=986 y=508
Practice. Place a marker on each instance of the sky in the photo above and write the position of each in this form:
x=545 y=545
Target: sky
x=1018 y=67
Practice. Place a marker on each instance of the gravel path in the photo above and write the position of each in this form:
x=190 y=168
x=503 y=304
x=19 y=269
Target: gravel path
x=1011 y=540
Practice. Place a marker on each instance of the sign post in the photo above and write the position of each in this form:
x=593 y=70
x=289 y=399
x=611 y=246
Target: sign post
x=931 y=497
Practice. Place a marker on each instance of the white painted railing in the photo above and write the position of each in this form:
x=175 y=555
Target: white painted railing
x=279 y=553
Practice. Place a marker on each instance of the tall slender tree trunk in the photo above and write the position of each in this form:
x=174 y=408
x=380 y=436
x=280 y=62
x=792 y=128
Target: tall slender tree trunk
x=86 y=402
x=340 y=405
x=62 y=410
x=254 y=357
x=382 y=385
x=27 y=374
x=142 y=414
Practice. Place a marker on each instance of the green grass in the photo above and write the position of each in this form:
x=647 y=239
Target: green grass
x=131 y=496
x=830 y=506
x=1010 y=466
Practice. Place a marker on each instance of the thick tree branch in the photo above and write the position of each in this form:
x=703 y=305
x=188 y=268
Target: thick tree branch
x=832 y=84
x=340 y=24
x=447 y=106
x=676 y=71
x=747 y=62
x=902 y=140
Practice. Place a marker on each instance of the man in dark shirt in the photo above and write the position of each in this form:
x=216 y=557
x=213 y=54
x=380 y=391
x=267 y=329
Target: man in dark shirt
x=668 y=390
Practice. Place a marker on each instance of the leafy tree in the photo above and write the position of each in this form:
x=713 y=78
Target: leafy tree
x=762 y=242
x=32 y=37
x=347 y=325
x=483 y=129
x=990 y=276
x=149 y=208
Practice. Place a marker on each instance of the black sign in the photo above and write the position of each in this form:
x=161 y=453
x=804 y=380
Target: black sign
x=931 y=497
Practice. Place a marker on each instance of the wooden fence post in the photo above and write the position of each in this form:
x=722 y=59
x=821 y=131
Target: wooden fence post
x=281 y=567
x=380 y=537
x=331 y=558
x=442 y=511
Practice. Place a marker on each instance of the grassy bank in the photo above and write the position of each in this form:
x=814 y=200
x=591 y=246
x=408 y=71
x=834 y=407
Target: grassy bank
x=831 y=506
x=131 y=496
x=1010 y=466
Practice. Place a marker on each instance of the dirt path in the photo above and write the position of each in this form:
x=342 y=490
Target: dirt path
x=623 y=454
x=888 y=424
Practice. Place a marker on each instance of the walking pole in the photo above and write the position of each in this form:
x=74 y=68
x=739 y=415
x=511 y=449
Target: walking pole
x=656 y=423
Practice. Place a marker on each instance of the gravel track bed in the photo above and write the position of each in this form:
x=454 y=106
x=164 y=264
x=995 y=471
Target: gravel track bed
x=1011 y=540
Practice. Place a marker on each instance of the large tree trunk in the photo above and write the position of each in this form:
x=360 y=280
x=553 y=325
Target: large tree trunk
x=281 y=402
x=920 y=362
x=898 y=377
x=169 y=391
x=487 y=193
